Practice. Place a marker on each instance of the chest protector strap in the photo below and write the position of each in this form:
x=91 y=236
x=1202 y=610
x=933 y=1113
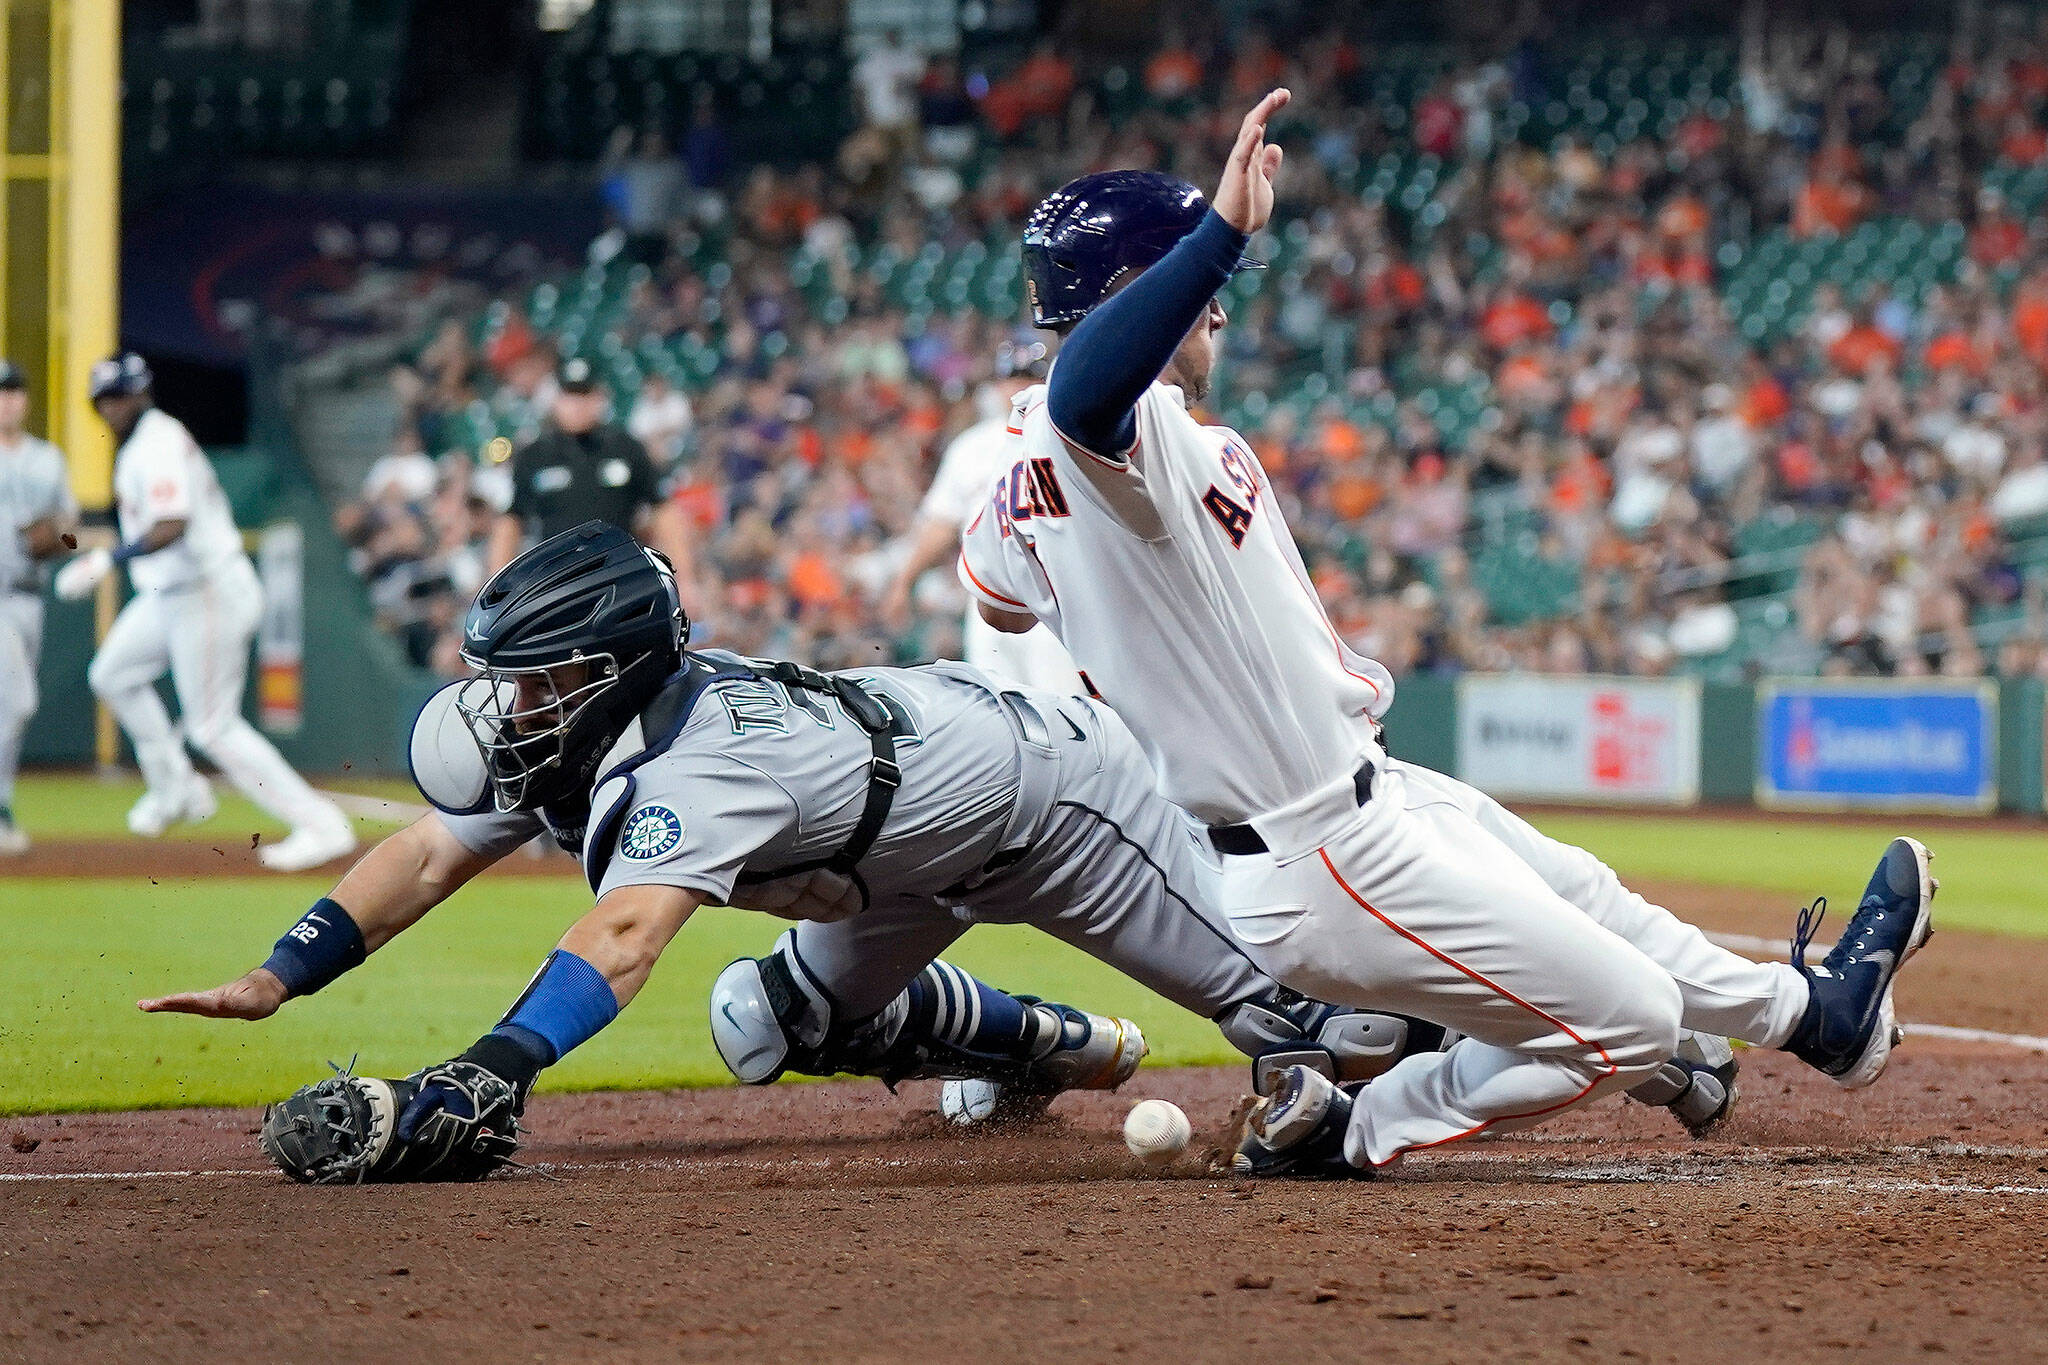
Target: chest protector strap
x=885 y=774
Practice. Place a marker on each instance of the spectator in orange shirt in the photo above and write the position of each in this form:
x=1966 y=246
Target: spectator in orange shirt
x=1764 y=401
x=1954 y=350
x=1046 y=81
x=1513 y=317
x=2030 y=317
x=1862 y=346
x=1256 y=69
x=1175 y=72
x=1827 y=204
x=1998 y=238
x=2024 y=144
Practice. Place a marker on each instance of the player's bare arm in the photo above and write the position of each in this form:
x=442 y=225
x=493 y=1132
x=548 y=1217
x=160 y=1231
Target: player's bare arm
x=44 y=538
x=934 y=543
x=389 y=891
x=1009 y=622
x=626 y=931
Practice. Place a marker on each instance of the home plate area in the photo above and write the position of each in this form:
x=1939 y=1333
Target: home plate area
x=837 y=1221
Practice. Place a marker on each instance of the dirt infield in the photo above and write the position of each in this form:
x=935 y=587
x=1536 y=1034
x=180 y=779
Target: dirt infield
x=832 y=1222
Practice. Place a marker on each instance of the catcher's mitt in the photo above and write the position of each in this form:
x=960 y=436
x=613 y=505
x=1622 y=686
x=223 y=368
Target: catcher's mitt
x=344 y=1130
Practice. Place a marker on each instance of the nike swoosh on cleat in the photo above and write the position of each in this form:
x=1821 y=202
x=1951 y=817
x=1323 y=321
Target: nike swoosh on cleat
x=1079 y=733
x=1884 y=956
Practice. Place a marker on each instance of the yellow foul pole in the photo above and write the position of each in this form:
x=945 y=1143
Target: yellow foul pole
x=85 y=123
x=85 y=266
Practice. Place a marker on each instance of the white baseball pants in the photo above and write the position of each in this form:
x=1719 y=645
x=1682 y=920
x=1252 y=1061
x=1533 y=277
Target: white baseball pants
x=202 y=636
x=1434 y=900
x=21 y=643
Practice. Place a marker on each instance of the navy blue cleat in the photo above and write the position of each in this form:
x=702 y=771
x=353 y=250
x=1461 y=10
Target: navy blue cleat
x=1297 y=1132
x=1850 y=1027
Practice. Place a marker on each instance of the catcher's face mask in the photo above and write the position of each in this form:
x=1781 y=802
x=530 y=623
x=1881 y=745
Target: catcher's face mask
x=526 y=721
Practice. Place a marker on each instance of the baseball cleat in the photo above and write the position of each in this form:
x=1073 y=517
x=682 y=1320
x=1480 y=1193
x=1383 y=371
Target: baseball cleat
x=1297 y=1132
x=1697 y=1085
x=1850 y=1027
x=309 y=846
x=157 y=811
x=1088 y=1052
x=13 y=839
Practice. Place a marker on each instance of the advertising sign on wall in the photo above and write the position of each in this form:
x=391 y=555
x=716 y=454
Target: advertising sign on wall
x=1885 y=743
x=281 y=631
x=1580 y=739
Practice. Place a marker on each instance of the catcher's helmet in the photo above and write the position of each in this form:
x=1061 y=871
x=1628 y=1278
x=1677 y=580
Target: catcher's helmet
x=570 y=640
x=1087 y=233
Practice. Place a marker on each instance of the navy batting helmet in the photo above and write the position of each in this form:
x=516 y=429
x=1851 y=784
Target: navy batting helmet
x=119 y=375
x=1090 y=232
x=570 y=640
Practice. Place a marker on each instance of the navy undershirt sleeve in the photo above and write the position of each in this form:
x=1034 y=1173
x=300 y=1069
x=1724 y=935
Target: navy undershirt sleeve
x=1116 y=352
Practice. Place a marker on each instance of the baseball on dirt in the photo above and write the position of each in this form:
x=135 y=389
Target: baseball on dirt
x=1156 y=1131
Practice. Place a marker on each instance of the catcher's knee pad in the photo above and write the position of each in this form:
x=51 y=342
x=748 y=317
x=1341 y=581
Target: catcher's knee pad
x=1347 y=1045
x=768 y=1018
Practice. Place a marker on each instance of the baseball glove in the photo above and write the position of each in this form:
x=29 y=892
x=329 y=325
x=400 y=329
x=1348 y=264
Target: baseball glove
x=452 y=1121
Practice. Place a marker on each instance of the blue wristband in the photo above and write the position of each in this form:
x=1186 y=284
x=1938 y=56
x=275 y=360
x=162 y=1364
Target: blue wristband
x=321 y=946
x=126 y=551
x=567 y=1003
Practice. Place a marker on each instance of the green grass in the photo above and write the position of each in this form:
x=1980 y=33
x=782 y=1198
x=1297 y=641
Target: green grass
x=1992 y=880
x=79 y=953
x=71 y=806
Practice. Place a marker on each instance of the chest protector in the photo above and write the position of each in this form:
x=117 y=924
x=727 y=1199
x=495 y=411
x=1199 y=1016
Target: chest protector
x=833 y=879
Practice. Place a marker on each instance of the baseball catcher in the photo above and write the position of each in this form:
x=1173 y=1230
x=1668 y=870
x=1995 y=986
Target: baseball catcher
x=886 y=810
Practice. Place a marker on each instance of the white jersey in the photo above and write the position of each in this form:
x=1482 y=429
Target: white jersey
x=161 y=475
x=1175 y=584
x=971 y=463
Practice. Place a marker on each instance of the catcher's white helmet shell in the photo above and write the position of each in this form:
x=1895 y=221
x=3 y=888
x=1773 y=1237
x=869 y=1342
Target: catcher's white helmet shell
x=447 y=765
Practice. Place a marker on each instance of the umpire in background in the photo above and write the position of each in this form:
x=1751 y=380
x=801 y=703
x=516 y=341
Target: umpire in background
x=583 y=468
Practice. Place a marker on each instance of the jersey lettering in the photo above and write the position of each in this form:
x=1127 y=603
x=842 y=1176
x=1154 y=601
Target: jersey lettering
x=755 y=706
x=1048 y=482
x=1238 y=467
x=1234 y=517
x=1030 y=489
x=811 y=704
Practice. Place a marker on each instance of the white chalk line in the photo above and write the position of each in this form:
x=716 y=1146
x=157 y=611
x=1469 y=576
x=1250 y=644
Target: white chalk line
x=376 y=807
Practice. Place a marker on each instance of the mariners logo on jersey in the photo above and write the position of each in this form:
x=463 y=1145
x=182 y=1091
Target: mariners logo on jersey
x=650 y=832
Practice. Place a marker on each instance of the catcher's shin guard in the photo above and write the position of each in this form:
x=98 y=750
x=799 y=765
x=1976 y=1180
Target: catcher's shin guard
x=768 y=1017
x=1344 y=1044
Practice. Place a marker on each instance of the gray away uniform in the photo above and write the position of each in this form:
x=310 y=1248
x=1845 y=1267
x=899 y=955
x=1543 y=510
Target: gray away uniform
x=33 y=486
x=1016 y=806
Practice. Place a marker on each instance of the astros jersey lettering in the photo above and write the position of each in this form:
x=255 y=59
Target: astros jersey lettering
x=1187 y=524
x=967 y=468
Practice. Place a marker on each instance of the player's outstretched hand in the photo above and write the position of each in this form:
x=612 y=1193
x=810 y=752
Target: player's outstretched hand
x=1245 y=198
x=255 y=996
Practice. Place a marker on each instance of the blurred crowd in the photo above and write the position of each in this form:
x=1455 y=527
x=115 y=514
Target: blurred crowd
x=1639 y=465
